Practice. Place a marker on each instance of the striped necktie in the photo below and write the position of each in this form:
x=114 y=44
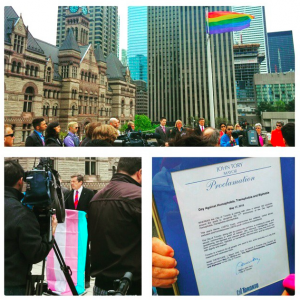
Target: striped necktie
x=76 y=200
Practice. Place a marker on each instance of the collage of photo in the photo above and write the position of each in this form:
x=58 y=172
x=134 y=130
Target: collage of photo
x=152 y=83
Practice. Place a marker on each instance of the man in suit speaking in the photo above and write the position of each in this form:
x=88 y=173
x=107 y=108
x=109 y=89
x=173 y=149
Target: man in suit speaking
x=78 y=199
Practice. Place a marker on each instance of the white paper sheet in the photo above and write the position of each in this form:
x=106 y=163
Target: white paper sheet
x=233 y=217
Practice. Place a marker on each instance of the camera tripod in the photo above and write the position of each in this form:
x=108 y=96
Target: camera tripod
x=39 y=279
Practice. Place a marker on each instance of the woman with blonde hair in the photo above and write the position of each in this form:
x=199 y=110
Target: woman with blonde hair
x=258 y=130
x=177 y=130
x=130 y=127
x=103 y=136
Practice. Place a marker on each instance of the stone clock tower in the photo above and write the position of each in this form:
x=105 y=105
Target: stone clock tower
x=77 y=19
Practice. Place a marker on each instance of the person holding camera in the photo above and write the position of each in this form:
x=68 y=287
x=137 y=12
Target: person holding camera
x=24 y=244
x=114 y=227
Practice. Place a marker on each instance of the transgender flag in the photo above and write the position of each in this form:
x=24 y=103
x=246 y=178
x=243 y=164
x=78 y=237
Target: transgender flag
x=227 y=21
x=71 y=237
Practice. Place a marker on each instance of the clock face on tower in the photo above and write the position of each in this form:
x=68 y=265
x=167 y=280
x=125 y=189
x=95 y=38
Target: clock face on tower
x=73 y=9
x=84 y=10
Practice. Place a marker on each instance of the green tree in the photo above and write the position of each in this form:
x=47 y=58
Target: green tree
x=290 y=106
x=264 y=106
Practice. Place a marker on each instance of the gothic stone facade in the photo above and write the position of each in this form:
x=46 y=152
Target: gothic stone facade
x=60 y=84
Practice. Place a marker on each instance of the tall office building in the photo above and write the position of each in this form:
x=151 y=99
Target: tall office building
x=281 y=51
x=177 y=65
x=256 y=33
x=103 y=28
x=124 y=57
x=137 y=42
x=246 y=63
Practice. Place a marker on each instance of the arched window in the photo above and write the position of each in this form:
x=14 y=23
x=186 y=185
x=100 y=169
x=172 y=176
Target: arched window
x=82 y=75
x=122 y=107
x=19 y=68
x=27 y=70
x=36 y=71
x=28 y=98
x=48 y=76
x=45 y=93
x=54 y=110
x=101 y=112
x=73 y=110
x=31 y=70
x=131 y=107
x=13 y=67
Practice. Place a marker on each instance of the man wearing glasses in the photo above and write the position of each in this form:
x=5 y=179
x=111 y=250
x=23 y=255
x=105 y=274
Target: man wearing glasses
x=72 y=140
x=8 y=136
x=276 y=136
x=227 y=139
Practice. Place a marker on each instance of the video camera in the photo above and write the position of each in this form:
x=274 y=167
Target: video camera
x=136 y=139
x=44 y=194
x=122 y=285
x=247 y=137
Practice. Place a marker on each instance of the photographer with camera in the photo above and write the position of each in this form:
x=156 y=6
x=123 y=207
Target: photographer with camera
x=114 y=226
x=24 y=244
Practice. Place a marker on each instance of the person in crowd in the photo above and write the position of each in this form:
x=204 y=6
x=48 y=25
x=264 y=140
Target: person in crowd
x=85 y=140
x=52 y=135
x=237 y=126
x=163 y=131
x=24 y=245
x=288 y=133
x=103 y=135
x=177 y=130
x=258 y=130
x=130 y=127
x=36 y=138
x=222 y=129
x=276 y=136
x=71 y=139
x=200 y=128
x=115 y=123
x=188 y=140
x=78 y=199
x=114 y=228
x=227 y=139
x=8 y=136
x=88 y=133
x=164 y=272
x=210 y=137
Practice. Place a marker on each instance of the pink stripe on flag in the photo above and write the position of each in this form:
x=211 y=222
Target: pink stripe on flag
x=71 y=257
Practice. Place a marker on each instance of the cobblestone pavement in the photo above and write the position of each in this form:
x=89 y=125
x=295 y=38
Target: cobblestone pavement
x=37 y=269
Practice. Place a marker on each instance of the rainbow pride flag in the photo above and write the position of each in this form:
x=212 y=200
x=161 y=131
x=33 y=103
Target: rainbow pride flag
x=71 y=238
x=227 y=21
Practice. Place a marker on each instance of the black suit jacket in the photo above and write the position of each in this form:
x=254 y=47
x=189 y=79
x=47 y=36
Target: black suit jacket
x=34 y=140
x=164 y=137
x=197 y=130
x=84 y=200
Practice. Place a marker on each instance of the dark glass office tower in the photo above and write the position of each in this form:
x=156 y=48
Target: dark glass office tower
x=177 y=65
x=137 y=42
x=103 y=28
x=281 y=51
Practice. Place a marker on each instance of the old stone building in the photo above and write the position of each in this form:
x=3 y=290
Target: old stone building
x=72 y=83
x=97 y=171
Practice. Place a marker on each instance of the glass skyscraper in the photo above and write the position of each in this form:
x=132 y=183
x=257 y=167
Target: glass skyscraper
x=255 y=34
x=177 y=65
x=281 y=51
x=137 y=42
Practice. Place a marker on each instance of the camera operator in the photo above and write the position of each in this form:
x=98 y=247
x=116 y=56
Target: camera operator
x=24 y=244
x=114 y=223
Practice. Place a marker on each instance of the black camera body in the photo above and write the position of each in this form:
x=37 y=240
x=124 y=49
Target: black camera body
x=247 y=137
x=43 y=191
x=136 y=139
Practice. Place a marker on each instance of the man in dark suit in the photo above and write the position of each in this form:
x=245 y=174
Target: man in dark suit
x=163 y=131
x=200 y=128
x=36 y=139
x=78 y=199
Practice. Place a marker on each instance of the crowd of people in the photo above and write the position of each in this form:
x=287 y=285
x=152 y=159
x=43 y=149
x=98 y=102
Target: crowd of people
x=228 y=135
x=100 y=135
x=114 y=228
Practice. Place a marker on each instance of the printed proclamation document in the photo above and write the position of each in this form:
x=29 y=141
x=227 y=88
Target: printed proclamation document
x=233 y=218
